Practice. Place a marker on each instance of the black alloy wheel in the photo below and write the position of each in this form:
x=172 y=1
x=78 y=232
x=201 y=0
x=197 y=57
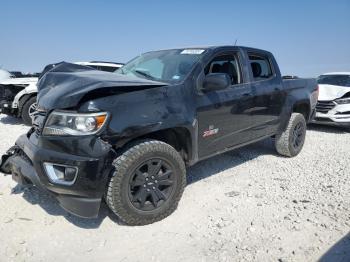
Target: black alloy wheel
x=298 y=135
x=151 y=184
x=147 y=183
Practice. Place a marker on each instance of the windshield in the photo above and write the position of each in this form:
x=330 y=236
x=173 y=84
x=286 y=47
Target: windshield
x=336 y=80
x=170 y=66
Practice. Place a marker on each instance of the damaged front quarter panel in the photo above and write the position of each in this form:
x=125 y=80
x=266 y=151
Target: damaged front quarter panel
x=142 y=112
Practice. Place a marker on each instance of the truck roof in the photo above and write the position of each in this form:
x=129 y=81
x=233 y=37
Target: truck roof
x=240 y=47
x=218 y=47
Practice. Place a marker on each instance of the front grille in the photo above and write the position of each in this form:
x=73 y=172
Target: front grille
x=324 y=106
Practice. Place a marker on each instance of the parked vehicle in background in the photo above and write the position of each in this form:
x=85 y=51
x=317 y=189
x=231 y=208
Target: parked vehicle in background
x=18 y=95
x=15 y=98
x=333 y=106
x=127 y=137
x=290 y=77
x=4 y=75
x=19 y=74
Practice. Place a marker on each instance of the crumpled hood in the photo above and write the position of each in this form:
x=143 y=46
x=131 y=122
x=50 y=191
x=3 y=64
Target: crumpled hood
x=20 y=81
x=66 y=84
x=331 y=92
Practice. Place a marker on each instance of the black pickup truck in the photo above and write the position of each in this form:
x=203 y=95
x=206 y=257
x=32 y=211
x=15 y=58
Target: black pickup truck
x=127 y=137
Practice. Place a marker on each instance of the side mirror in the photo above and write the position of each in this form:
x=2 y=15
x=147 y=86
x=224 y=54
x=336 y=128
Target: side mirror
x=216 y=81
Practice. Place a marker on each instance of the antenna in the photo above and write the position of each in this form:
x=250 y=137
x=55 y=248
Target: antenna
x=236 y=41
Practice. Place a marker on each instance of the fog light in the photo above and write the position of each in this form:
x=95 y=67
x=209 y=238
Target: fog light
x=61 y=174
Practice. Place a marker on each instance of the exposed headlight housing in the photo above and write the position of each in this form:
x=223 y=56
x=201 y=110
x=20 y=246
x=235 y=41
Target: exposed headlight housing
x=341 y=101
x=60 y=123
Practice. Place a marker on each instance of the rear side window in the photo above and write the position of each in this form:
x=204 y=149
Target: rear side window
x=260 y=66
x=336 y=80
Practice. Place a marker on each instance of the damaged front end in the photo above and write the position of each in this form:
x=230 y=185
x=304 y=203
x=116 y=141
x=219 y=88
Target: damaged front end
x=75 y=170
x=69 y=151
x=15 y=163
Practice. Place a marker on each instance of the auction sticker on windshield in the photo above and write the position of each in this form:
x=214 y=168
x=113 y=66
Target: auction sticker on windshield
x=192 y=51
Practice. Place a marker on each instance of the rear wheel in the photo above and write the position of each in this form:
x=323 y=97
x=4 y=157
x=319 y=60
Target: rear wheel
x=147 y=183
x=291 y=141
x=28 y=111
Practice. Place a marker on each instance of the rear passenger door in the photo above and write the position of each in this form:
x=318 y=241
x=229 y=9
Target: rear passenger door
x=224 y=115
x=268 y=94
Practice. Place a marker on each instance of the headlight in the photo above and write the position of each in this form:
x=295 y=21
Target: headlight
x=74 y=124
x=341 y=101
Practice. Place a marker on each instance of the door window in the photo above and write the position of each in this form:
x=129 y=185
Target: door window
x=227 y=64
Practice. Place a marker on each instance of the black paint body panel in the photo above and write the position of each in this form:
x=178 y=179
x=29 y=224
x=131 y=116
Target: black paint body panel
x=242 y=114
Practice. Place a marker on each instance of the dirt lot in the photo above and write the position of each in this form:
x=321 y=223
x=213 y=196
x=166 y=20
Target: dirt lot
x=246 y=205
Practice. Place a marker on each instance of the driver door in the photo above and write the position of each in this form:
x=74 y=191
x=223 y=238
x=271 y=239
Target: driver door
x=224 y=115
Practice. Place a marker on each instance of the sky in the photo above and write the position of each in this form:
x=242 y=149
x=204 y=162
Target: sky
x=308 y=38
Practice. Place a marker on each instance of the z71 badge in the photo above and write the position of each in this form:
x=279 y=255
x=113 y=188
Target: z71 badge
x=212 y=131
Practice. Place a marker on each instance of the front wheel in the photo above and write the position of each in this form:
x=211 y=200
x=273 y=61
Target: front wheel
x=28 y=111
x=291 y=141
x=147 y=183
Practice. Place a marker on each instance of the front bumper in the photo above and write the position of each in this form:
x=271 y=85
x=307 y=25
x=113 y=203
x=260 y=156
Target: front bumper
x=339 y=115
x=90 y=155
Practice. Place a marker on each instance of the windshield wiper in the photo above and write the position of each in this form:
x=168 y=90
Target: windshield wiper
x=142 y=73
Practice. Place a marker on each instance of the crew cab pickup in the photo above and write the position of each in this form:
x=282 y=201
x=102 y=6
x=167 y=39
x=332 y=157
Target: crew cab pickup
x=127 y=137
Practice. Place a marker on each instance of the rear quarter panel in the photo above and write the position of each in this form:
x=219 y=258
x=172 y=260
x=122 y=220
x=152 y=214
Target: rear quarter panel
x=299 y=92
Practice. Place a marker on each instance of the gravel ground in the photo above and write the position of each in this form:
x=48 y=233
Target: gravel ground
x=246 y=205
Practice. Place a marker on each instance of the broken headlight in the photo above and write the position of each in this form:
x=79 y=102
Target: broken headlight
x=341 y=101
x=61 y=123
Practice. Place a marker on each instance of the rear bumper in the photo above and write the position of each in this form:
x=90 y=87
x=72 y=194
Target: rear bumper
x=25 y=163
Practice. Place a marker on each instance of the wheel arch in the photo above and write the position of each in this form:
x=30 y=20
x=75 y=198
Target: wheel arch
x=302 y=107
x=292 y=106
x=178 y=137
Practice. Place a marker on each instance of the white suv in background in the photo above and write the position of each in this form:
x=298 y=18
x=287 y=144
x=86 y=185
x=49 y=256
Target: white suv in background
x=333 y=106
x=18 y=95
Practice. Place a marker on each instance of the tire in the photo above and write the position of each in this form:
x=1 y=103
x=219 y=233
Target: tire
x=27 y=110
x=291 y=141
x=131 y=197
